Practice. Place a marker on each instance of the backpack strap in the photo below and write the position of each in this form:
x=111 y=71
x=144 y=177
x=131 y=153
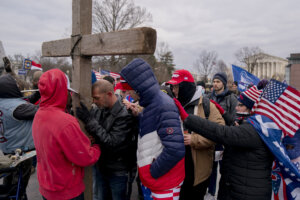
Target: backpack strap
x=206 y=106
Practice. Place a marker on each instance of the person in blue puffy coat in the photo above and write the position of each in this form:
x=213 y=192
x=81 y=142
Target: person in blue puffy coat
x=161 y=150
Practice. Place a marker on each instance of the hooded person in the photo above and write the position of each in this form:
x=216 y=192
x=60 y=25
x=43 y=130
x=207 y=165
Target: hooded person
x=160 y=153
x=16 y=117
x=199 y=150
x=63 y=150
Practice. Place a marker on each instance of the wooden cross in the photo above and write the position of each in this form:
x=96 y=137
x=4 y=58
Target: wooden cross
x=83 y=45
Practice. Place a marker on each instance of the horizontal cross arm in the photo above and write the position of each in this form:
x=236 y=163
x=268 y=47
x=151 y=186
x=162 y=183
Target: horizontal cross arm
x=125 y=42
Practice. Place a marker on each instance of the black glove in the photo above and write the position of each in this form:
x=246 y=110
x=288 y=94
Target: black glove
x=83 y=113
x=7 y=64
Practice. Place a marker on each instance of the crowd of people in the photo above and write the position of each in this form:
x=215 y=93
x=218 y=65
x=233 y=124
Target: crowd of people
x=173 y=139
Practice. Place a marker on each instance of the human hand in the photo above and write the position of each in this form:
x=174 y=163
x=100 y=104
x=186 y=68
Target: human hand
x=187 y=139
x=182 y=112
x=134 y=107
x=221 y=110
x=7 y=64
x=83 y=113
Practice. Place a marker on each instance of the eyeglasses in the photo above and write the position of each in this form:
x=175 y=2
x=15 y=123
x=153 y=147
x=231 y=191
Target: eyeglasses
x=240 y=105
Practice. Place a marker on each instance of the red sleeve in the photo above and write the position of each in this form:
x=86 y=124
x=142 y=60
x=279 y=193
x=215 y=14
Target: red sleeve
x=77 y=146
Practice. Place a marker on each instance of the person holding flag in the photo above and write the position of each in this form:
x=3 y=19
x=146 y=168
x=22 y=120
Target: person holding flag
x=247 y=161
x=277 y=121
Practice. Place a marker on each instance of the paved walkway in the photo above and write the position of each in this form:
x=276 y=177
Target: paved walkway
x=34 y=194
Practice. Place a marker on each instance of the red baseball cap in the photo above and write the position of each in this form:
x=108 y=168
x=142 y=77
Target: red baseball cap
x=180 y=76
x=119 y=87
x=125 y=85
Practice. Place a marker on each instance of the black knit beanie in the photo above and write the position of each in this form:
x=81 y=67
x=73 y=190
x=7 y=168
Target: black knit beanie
x=222 y=77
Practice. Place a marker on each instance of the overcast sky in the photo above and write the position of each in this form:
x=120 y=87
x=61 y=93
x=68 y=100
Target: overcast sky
x=188 y=26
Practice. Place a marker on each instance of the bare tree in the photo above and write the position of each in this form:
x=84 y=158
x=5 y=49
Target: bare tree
x=114 y=15
x=205 y=63
x=249 y=56
x=221 y=67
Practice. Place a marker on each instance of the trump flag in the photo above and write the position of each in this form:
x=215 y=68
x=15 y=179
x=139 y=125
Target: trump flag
x=243 y=78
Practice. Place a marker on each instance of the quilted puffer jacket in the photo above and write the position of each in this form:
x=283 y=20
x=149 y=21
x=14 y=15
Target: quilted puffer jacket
x=160 y=153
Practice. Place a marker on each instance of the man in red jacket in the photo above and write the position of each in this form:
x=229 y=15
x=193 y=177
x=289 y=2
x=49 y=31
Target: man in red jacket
x=63 y=150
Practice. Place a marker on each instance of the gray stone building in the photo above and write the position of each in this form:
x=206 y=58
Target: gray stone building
x=292 y=71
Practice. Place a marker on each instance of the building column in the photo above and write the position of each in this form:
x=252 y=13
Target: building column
x=274 y=69
x=260 y=70
x=270 y=70
x=256 y=69
x=265 y=69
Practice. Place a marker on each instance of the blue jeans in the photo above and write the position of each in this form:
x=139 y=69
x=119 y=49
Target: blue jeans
x=111 y=186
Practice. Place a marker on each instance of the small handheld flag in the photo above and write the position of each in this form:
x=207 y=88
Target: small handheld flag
x=31 y=65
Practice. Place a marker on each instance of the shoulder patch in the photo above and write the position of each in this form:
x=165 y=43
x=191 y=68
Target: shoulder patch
x=170 y=131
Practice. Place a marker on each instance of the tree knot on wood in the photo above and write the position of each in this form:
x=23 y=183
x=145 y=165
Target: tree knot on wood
x=79 y=37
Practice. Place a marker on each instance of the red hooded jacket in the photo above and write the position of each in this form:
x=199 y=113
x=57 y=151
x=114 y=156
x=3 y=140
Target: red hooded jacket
x=63 y=150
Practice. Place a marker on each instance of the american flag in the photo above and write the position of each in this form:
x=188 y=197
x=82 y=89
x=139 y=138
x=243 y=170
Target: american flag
x=98 y=75
x=253 y=93
x=281 y=103
x=112 y=74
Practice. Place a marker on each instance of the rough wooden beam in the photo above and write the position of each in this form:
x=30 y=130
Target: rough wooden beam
x=132 y=41
x=57 y=48
x=81 y=69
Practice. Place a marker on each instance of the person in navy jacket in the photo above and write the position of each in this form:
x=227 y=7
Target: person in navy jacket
x=161 y=150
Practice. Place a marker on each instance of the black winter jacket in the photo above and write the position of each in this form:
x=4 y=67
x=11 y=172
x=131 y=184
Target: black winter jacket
x=116 y=131
x=247 y=161
x=228 y=101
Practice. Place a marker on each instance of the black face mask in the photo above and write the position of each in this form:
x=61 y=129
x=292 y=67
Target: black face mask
x=240 y=117
x=186 y=92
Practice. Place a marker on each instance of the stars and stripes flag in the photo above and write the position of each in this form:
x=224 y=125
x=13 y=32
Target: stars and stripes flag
x=98 y=75
x=112 y=74
x=281 y=103
x=253 y=93
x=115 y=75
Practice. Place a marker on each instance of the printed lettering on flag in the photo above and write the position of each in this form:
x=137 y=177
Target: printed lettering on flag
x=280 y=103
x=243 y=78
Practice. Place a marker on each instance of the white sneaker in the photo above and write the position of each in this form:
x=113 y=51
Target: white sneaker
x=208 y=196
